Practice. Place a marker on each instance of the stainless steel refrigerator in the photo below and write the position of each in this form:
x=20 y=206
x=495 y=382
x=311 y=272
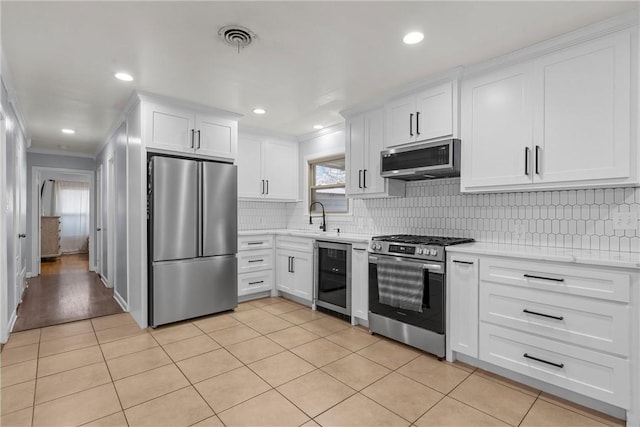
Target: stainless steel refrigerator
x=193 y=234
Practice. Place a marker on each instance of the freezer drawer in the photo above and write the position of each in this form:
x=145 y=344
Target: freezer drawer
x=190 y=288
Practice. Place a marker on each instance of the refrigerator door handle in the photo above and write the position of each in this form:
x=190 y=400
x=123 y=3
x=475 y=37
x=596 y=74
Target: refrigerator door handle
x=199 y=210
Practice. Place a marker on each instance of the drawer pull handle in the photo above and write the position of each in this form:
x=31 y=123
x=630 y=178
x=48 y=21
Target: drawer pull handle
x=557 y=365
x=543 y=315
x=256 y=283
x=463 y=262
x=531 y=276
x=255 y=260
x=254 y=243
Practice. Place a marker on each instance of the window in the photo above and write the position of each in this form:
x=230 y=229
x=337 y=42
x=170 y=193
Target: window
x=326 y=185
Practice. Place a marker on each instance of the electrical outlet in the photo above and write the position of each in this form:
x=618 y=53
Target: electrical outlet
x=625 y=220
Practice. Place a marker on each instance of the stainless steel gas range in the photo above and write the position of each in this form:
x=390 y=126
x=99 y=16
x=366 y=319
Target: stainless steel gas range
x=407 y=289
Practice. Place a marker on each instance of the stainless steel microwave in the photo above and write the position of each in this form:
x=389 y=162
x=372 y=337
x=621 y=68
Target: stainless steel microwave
x=437 y=159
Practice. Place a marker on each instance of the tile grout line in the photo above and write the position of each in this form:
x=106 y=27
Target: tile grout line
x=528 y=410
x=113 y=384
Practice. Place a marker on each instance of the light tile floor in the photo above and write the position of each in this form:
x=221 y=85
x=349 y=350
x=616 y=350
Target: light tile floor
x=271 y=362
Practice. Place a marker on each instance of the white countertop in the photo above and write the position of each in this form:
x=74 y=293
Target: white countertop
x=578 y=256
x=330 y=236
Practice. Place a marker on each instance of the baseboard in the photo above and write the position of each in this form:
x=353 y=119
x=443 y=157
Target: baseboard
x=104 y=281
x=12 y=322
x=120 y=301
x=30 y=275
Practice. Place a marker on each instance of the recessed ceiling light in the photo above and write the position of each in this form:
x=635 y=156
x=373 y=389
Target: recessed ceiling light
x=259 y=111
x=125 y=77
x=318 y=127
x=68 y=131
x=413 y=37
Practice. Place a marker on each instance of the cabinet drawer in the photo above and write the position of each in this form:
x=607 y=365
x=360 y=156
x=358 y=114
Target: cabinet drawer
x=575 y=280
x=261 y=241
x=250 y=283
x=583 y=371
x=296 y=243
x=255 y=260
x=598 y=324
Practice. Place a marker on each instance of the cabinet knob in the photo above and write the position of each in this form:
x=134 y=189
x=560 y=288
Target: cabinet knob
x=22 y=236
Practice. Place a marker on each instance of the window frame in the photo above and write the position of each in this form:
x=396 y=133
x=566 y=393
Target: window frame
x=311 y=183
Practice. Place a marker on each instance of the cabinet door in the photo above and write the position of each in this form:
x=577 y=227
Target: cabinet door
x=249 y=161
x=582 y=117
x=284 y=275
x=401 y=121
x=280 y=169
x=497 y=129
x=170 y=128
x=462 y=273
x=436 y=112
x=216 y=137
x=359 y=282
x=374 y=143
x=354 y=153
x=303 y=274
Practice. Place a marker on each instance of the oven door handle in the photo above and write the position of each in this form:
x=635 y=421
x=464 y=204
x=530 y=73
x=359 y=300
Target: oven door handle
x=425 y=266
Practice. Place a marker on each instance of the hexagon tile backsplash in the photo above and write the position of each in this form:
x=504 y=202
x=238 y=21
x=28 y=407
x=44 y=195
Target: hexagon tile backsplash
x=581 y=219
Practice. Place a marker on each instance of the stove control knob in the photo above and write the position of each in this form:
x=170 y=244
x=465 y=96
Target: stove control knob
x=376 y=246
x=434 y=252
x=418 y=251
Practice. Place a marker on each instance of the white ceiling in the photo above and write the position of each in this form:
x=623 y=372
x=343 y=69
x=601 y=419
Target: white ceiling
x=310 y=61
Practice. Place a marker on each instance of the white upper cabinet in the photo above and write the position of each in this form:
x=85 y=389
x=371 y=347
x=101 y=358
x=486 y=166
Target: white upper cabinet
x=496 y=128
x=582 y=115
x=562 y=120
x=216 y=137
x=267 y=168
x=423 y=116
x=280 y=166
x=249 y=161
x=170 y=128
x=190 y=131
x=365 y=140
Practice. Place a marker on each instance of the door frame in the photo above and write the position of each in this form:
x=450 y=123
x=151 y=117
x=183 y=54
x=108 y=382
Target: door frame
x=38 y=175
x=99 y=221
x=4 y=283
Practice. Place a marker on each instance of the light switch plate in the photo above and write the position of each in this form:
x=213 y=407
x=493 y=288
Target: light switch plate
x=625 y=220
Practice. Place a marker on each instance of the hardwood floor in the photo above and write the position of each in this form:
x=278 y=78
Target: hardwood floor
x=64 y=292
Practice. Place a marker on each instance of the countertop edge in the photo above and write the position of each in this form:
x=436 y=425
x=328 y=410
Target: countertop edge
x=330 y=237
x=627 y=260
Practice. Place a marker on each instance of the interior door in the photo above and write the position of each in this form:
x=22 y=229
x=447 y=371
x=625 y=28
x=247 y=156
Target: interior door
x=219 y=208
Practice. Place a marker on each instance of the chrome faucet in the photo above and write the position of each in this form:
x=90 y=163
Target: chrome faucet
x=323 y=226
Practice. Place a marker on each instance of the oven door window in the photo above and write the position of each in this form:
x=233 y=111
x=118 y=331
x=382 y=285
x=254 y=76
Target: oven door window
x=433 y=303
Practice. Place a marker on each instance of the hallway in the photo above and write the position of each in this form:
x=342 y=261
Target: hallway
x=65 y=291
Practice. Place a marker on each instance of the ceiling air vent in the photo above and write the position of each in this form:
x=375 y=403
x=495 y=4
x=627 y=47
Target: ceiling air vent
x=236 y=36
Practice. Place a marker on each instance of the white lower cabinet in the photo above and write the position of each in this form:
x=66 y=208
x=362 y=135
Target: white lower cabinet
x=572 y=326
x=255 y=264
x=462 y=276
x=359 y=284
x=294 y=266
x=581 y=370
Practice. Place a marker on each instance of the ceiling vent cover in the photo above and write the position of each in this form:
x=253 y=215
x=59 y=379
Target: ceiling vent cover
x=236 y=36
